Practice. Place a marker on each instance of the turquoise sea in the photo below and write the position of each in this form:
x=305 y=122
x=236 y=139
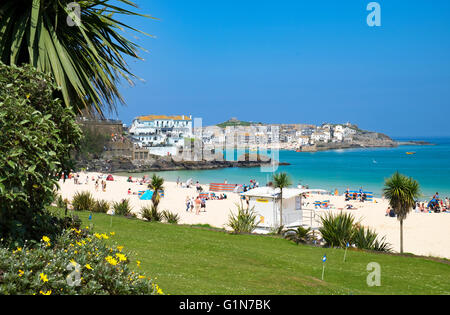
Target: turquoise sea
x=353 y=168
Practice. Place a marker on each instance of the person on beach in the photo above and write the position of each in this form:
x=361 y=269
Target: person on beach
x=390 y=212
x=188 y=203
x=96 y=185
x=178 y=181
x=197 y=205
x=192 y=202
x=203 y=204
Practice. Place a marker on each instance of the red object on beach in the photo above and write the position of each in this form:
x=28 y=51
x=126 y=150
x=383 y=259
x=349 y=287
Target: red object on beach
x=221 y=187
x=110 y=178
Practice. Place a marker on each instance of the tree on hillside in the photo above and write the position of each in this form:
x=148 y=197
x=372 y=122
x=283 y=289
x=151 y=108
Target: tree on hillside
x=86 y=57
x=401 y=191
x=281 y=181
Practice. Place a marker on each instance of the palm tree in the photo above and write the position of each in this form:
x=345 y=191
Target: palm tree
x=86 y=59
x=281 y=181
x=156 y=185
x=401 y=191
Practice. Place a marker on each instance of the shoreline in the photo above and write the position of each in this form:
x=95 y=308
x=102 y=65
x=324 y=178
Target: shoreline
x=423 y=232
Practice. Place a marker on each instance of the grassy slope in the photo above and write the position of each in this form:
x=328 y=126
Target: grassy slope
x=188 y=260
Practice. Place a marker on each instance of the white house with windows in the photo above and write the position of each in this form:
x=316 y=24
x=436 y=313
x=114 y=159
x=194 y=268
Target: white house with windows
x=161 y=130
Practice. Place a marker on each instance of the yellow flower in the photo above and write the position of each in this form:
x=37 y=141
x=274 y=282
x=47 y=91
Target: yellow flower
x=121 y=257
x=19 y=249
x=43 y=277
x=98 y=236
x=112 y=233
x=141 y=277
x=46 y=239
x=138 y=263
x=88 y=266
x=21 y=272
x=105 y=236
x=46 y=293
x=120 y=248
x=111 y=260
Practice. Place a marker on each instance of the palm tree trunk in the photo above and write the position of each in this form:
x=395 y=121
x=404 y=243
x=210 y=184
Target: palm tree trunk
x=401 y=236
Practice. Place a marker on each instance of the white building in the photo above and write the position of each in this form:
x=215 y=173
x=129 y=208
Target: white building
x=323 y=136
x=266 y=203
x=161 y=130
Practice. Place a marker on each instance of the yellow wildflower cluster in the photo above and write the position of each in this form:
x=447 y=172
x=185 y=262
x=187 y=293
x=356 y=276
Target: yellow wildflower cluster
x=121 y=257
x=111 y=260
x=46 y=240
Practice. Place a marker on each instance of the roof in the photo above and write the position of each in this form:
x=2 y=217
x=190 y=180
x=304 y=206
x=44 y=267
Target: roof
x=269 y=192
x=164 y=117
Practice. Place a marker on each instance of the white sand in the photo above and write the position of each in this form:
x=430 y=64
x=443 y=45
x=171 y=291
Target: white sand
x=423 y=233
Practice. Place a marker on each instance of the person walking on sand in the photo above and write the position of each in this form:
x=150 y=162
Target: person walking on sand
x=192 y=202
x=197 y=205
x=188 y=203
x=96 y=185
x=203 y=204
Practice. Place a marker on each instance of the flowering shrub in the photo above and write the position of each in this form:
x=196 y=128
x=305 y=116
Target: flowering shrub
x=78 y=262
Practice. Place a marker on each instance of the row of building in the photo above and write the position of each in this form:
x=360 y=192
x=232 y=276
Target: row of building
x=163 y=135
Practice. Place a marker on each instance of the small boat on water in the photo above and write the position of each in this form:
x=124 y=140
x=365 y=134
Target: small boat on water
x=410 y=153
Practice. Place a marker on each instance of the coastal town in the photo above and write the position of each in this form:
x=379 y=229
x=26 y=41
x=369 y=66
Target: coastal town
x=164 y=135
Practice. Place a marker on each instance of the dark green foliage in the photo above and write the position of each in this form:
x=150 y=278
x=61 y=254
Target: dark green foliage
x=93 y=143
x=299 y=235
x=87 y=61
x=402 y=192
x=101 y=206
x=244 y=221
x=151 y=213
x=37 y=135
x=156 y=184
x=365 y=238
x=122 y=208
x=170 y=217
x=337 y=229
x=83 y=201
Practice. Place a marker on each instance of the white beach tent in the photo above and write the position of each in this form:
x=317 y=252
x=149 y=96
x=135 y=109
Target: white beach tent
x=266 y=203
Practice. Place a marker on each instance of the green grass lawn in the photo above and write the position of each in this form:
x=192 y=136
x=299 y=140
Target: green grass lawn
x=198 y=261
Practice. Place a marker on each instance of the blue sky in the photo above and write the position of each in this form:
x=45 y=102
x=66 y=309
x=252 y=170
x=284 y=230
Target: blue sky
x=295 y=61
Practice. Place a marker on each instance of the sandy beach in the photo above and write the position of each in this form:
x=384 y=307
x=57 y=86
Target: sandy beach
x=424 y=233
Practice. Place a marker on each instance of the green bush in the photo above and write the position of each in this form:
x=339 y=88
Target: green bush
x=365 y=238
x=151 y=213
x=37 y=135
x=170 y=217
x=244 y=221
x=299 y=235
x=337 y=229
x=83 y=201
x=76 y=263
x=101 y=206
x=122 y=208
